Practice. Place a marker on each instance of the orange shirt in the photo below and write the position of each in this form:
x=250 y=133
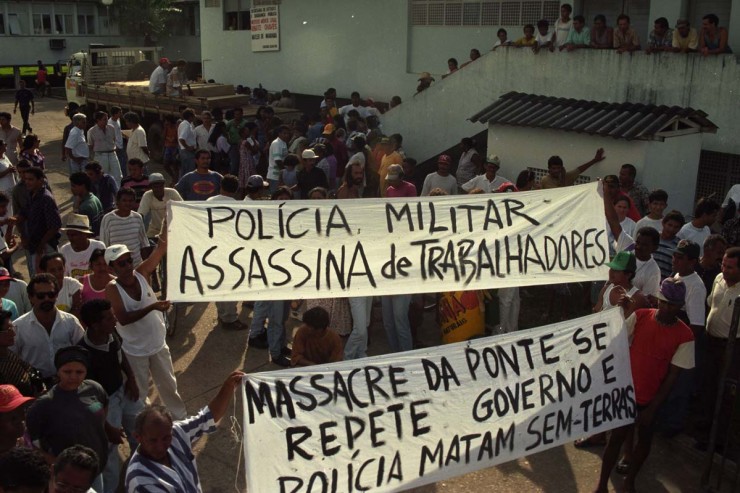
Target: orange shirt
x=314 y=346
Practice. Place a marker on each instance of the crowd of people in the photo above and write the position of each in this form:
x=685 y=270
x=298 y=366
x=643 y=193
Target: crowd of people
x=80 y=342
x=570 y=33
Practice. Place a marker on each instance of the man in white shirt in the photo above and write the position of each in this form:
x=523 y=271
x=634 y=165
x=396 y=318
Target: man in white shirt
x=115 y=120
x=441 y=179
x=203 y=132
x=154 y=203
x=684 y=262
x=356 y=104
x=81 y=245
x=697 y=230
x=489 y=181
x=102 y=141
x=278 y=151
x=187 y=142
x=136 y=146
x=45 y=329
x=158 y=79
x=76 y=147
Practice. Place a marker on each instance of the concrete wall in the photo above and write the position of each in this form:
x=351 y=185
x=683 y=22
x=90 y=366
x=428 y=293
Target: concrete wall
x=437 y=118
x=25 y=50
x=671 y=165
x=348 y=44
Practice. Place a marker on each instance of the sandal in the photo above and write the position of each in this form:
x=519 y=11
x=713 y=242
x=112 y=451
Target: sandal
x=592 y=441
x=623 y=467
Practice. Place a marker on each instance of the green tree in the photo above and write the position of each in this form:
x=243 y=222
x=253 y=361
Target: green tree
x=146 y=18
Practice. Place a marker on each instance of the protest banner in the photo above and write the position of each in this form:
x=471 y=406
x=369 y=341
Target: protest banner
x=398 y=421
x=269 y=250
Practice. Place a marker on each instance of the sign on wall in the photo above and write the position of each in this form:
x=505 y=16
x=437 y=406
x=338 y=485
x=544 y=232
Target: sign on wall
x=265 y=28
x=267 y=250
x=403 y=420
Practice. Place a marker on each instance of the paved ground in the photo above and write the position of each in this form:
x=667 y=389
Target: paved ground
x=204 y=354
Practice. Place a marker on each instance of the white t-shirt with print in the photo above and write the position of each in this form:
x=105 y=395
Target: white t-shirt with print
x=77 y=264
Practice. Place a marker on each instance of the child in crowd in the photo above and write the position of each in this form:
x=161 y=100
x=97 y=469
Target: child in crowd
x=671 y=225
x=544 y=38
x=528 y=39
x=657 y=202
x=314 y=343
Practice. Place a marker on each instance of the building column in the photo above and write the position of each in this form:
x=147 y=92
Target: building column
x=733 y=26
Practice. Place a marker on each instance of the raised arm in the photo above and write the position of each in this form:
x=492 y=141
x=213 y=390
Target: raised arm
x=220 y=402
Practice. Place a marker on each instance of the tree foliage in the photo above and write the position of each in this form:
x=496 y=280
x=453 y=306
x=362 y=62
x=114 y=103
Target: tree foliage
x=146 y=18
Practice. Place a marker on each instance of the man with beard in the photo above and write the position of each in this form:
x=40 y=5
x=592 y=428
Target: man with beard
x=45 y=329
x=353 y=179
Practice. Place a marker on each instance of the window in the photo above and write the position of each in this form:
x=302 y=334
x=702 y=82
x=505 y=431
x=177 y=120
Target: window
x=16 y=22
x=85 y=19
x=212 y=3
x=183 y=23
x=64 y=20
x=41 y=18
x=2 y=23
x=236 y=15
x=481 y=12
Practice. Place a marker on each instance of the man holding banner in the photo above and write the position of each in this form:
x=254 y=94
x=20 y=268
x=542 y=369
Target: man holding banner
x=661 y=346
x=164 y=459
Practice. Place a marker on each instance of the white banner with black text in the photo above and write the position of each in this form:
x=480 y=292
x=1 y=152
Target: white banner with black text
x=267 y=250
x=398 y=421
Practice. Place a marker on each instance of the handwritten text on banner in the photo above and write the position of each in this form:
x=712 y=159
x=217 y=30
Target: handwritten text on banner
x=398 y=421
x=260 y=250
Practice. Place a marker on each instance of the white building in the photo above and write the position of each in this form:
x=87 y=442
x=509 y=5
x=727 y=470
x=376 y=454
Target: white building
x=380 y=47
x=52 y=30
x=663 y=143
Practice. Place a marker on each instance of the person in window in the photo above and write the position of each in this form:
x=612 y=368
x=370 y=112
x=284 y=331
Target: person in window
x=713 y=38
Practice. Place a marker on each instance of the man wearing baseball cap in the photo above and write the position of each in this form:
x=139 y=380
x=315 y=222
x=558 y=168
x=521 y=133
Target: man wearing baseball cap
x=441 y=179
x=661 y=346
x=397 y=186
x=488 y=181
x=158 y=79
x=685 y=257
x=154 y=203
x=141 y=323
x=12 y=416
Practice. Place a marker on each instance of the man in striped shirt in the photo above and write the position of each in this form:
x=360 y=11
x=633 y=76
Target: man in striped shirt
x=164 y=459
x=124 y=226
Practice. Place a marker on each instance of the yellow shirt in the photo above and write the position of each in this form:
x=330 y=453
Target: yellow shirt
x=525 y=42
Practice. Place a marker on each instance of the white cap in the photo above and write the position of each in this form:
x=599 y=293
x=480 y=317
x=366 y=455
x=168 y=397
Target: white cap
x=309 y=154
x=114 y=252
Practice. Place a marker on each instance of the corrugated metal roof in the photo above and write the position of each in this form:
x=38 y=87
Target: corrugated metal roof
x=619 y=120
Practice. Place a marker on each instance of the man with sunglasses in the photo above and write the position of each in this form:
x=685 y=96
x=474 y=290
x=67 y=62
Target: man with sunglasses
x=141 y=323
x=45 y=329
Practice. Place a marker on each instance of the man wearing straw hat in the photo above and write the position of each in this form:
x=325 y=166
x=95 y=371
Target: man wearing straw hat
x=81 y=245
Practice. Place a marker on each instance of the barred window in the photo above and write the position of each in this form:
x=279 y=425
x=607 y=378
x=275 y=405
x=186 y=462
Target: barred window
x=212 y=3
x=481 y=13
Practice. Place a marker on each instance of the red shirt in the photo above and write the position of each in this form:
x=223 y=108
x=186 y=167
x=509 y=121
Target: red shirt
x=41 y=76
x=404 y=189
x=633 y=213
x=654 y=348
